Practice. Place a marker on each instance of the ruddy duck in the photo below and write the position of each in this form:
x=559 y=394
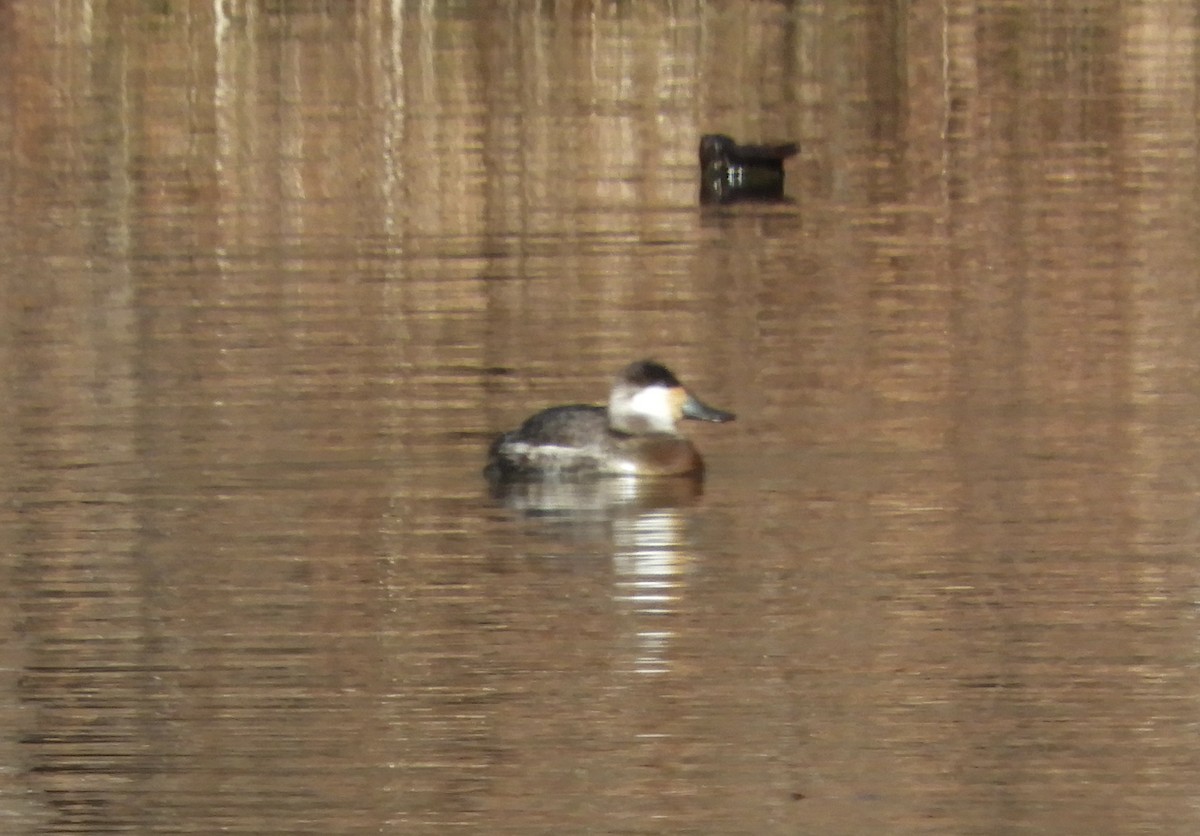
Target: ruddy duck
x=729 y=171
x=634 y=435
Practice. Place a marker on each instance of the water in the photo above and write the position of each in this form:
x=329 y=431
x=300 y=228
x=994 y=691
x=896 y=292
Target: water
x=273 y=275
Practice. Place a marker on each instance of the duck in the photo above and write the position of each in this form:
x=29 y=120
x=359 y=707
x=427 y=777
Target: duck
x=729 y=171
x=635 y=434
x=721 y=151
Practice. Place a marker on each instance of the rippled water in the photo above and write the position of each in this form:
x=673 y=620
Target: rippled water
x=273 y=275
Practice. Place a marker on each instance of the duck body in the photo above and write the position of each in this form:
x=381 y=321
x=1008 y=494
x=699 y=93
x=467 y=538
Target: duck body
x=730 y=171
x=723 y=151
x=635 y=434
x=578 y=440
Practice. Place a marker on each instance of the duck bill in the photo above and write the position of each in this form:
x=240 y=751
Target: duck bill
x=697 y=410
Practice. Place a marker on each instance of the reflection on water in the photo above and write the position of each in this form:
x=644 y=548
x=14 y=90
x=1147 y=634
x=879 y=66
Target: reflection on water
x=578 y=501
x=264 y=269
x=651 y=561
x=641 y=524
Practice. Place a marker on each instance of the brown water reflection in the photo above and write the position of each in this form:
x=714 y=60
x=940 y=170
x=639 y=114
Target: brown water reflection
x=271 y=276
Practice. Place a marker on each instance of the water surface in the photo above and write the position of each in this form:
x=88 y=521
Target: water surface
x=272 y=277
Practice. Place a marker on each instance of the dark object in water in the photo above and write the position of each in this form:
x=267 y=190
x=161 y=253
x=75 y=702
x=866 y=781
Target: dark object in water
x=730 y=172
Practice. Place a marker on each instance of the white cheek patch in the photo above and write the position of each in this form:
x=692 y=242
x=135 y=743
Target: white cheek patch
x=655 y=405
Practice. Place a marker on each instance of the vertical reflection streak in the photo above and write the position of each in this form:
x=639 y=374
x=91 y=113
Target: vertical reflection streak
x=650 y=564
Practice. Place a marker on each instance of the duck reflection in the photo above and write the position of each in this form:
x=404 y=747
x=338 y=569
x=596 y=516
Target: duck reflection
x=651 y=561
x=642 y=522
x=602 y=498
x=732 y=173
